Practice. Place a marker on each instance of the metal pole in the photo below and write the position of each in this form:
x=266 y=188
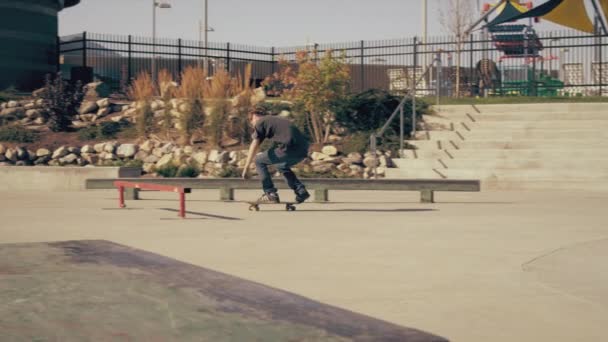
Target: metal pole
x=372 y=144
x=129 y=58
x=84 y=49
x=401 y=137
x=153 y=40
x=438 y=82
x=413 y=133
x=362 y=66
x=205 y=30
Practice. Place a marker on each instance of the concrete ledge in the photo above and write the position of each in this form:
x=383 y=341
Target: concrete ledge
x=51 y=178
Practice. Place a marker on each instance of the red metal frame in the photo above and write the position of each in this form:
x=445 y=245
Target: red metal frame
x=121 y=185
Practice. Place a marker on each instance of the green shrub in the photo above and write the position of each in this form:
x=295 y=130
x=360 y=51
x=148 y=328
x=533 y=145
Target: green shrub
x=167 y=171
x=357 y=142
x=228 y=172
x=17 y=134
x=369 y=111
x=188 y=171
x=104 y=130
x=60 y=101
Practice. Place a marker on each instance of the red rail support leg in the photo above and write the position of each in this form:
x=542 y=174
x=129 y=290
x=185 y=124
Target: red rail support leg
x=182 y=204
x=121 y=196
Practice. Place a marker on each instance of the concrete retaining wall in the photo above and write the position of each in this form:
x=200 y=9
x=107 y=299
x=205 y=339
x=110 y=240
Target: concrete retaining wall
x=49 y=178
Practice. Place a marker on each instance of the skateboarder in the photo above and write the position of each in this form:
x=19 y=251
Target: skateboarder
x=292 y=148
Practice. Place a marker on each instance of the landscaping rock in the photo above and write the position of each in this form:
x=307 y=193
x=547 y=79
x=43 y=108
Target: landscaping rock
x=330 y=150
x=88 y=107
x=42 y=160
x=96 y=90
x=165 y=160
x=87 y=149
x=318 y=156
x=11 y=155
x=104 y=111
x=17 y=112
x=33 y=113
x=69 y=159
x=60 y=152
x=42 y=152
x=151 y=159
x=103 y=103
x=22 y=153
x=99 y=147
x=2 y=149
x=370 y=162
x=126 y=150
x=12 y=104
x=110 y=147
x=200 y=157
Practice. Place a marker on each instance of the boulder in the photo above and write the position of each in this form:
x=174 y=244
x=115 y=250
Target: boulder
x=151 y=159
x=330 y=150
x=126 y=150
x=42 y=152
x=87 y=149
x=69 y=159
x=318 y=156
x=42 y=160
x=103 y=103
x=11 y=155
x=96 y=90
x=147 y=146
x=99 y=147
x=17 y=112
x=141 y=155
x=200 y=157
x=2 y=149
x=22 y=153
x=90 y=158
x=110 y=147
x=104 y=111
x=165 y=160
x=33 y=113
x=88 y=107
x=60 y=152
x=370 y=162
x=12 y=104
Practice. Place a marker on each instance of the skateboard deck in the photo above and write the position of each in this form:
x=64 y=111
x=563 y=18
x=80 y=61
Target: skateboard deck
x=255 y=205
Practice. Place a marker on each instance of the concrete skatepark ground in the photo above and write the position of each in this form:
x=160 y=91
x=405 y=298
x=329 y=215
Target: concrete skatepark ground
x=489 y=266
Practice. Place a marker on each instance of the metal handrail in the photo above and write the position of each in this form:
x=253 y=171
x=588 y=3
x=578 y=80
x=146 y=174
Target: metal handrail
x=412 y=94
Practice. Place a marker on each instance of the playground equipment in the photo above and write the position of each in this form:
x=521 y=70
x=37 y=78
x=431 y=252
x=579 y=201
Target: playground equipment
x=520 y=41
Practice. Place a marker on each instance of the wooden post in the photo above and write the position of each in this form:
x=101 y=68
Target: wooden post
x=226 y=194
x=321 y=195
x=131 y=193
x=427 y=196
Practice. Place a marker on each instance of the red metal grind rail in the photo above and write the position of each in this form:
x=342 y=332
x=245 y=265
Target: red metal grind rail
x=121 y=185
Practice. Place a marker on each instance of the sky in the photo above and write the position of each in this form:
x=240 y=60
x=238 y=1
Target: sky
x=260 y=22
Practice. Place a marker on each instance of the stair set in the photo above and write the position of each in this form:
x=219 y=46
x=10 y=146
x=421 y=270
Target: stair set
x=561 y=146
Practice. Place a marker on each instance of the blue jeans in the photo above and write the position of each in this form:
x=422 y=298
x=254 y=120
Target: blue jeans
x=284 y=160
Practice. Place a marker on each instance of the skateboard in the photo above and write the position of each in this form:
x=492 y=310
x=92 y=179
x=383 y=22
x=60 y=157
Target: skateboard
x=255 y=205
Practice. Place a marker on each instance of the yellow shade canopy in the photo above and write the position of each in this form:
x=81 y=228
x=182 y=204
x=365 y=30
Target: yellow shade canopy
x=572 y=13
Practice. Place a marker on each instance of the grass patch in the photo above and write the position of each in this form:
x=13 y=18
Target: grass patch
x=106 y=130
x=17 y=135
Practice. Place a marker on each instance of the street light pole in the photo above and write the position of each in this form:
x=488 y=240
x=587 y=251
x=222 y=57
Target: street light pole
x=206 y=30
x=155 y=4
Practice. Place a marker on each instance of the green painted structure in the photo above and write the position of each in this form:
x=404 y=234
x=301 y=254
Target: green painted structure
x=28 y=40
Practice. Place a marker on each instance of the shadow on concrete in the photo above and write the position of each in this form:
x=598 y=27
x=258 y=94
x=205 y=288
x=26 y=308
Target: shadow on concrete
x=205 y=214
x=101 y=291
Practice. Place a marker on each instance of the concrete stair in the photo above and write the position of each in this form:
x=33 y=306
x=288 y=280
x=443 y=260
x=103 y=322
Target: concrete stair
x=528 y=146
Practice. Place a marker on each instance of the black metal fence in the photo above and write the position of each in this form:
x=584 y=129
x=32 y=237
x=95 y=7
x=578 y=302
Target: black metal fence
x=503 y=62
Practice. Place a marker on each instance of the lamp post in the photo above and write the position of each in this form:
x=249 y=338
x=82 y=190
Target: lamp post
x=155 y=4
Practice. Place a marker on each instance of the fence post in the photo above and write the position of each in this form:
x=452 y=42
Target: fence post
x=179 y=56
x=362 y=66
x=273 y=61
x=601 y=71
x=228 y=56
x=129 y=59
x=84 y=49
x=471 y=73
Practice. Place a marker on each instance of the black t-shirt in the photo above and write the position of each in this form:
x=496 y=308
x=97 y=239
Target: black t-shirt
x=280 y=130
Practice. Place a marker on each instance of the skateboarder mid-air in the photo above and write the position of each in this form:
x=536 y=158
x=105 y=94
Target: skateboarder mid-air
x=292 y=148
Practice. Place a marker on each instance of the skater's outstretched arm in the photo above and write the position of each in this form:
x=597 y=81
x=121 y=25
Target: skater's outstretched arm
x=253 y=150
